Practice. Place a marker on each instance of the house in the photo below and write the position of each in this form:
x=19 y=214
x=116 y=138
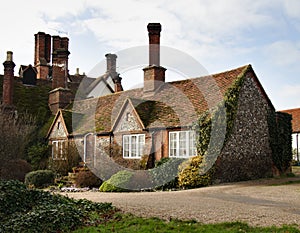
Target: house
x=107 y=83
x=135 y=128
x=296 y=129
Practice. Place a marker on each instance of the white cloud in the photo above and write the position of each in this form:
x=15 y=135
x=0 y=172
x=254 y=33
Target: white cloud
x=292 y=8
x=283 y=53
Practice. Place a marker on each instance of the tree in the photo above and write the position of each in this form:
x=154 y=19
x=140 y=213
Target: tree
x=15 y=132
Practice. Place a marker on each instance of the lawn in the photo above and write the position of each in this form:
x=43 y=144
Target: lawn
x=130 y=223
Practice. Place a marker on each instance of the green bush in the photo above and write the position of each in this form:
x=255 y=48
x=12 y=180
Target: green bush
x=38 y=156
x=28 y=210
x=164 y=175
x=117 y=182
x=189 y=174
x=40 y=178
x=87 y=179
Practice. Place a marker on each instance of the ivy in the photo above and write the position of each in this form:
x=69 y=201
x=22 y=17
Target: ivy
x=206 y=120
x=280 y=131
x=216 y=125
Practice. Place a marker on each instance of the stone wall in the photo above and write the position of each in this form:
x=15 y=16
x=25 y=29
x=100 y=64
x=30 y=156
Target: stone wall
x=247 y=153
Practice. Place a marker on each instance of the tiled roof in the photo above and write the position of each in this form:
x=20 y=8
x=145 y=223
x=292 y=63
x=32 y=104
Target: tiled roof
x=176 y=104
x=295 y=118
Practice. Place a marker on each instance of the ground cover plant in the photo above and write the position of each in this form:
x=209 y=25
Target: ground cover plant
x=31 y=210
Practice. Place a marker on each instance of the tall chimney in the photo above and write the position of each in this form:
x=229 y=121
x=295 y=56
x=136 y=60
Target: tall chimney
x=111 y=68
x=8 y=79
x=42 y=54
x=154 y=74
x=60 y=54
x=60 y=96
x=111 y=61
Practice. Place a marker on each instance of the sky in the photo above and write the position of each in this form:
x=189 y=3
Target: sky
x=220 y=35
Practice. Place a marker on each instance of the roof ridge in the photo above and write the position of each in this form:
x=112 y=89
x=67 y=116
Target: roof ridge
x=245 y=68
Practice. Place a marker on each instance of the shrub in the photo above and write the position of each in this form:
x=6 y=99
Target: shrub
x=86 y=178
x=117 y=183
x=164 y=175
x=190 y=174
x=38 y=156
x=15 y=170
x=40 y=178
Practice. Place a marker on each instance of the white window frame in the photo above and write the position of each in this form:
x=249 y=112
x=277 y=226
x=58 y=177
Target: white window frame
x=129 y=148
x=58 y=147
x=180 y=144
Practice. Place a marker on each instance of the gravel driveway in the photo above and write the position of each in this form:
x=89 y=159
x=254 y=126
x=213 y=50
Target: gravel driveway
x=256 y=202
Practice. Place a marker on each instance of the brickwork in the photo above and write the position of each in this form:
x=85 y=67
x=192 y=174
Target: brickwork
x=42 y=72
x=59 y=98
x=154 y=30
x=60 y=55
x=8 y=80
x=42 y=48
x=154 y=77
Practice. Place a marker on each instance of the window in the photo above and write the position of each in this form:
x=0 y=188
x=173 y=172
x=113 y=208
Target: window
x=58 y=149
x=182 y=144
x=133 y=145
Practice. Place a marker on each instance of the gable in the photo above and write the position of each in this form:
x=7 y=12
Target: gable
x=128 y=120
x=29 y=76
x=100 y=90
x=58 y=128
x=101 y=86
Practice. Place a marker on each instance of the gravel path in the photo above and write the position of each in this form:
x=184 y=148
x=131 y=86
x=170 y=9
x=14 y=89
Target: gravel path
x=258 y=203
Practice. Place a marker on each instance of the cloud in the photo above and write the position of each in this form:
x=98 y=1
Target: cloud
x=283 y=53
x=292 y=8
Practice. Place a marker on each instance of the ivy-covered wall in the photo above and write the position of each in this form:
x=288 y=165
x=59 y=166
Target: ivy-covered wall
x=280 y=130
x=247 y=153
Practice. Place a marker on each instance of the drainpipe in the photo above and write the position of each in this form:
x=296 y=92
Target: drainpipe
x=84 y=147
x=297 y=148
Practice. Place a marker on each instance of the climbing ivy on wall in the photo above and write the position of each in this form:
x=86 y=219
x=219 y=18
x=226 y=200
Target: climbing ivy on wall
x=204 y=124
x=280 y=131
x=213 y=125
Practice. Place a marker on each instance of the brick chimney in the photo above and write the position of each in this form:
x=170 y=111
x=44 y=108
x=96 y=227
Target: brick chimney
x=42 y=52
x=60 y=54
x=8 y=79
x=60 y=96
x=111 y=65
x=154 y=74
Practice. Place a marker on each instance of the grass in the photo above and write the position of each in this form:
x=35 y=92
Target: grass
x=129 y=223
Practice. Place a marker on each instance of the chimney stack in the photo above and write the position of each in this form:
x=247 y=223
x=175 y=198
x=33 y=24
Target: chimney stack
x=60 y=96
x=111 y=61
x=42 y=54
x=154 y=30
x=154 y=74
x=8 y=79
x=111 y=68
x=60 y=54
